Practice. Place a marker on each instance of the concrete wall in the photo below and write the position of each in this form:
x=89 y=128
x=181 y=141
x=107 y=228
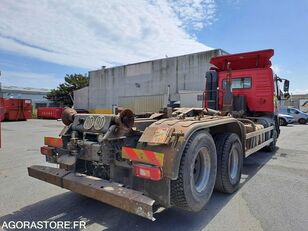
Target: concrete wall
x=185 y=72
x=81 y=98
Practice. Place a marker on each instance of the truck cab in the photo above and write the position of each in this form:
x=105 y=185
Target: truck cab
x=244 y=85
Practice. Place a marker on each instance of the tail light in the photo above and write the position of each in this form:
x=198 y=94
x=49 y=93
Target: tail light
x=147 y=171
x=47 y=151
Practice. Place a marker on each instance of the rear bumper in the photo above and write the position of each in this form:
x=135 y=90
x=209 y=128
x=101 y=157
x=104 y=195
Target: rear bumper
x=110 y=193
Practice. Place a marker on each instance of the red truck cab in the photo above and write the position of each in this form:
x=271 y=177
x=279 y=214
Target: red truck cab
x=254 y=87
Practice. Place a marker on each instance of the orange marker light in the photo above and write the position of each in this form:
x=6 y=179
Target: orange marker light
x=53 y=142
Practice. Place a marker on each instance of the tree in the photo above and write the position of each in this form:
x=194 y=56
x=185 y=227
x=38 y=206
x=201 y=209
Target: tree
x=64 y=93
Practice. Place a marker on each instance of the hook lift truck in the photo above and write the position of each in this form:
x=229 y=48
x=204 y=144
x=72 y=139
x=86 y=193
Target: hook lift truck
x=171 y=159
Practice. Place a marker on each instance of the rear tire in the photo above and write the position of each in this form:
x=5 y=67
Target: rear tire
x=282 y=122
x=197 y=173
x=302 y=121
x=229 y=162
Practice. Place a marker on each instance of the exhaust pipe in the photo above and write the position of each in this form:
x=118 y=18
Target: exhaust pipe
x=125 y=121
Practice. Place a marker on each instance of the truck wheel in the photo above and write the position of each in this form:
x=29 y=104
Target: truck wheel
x=302 y=121
x=197 y=173
x=229 y=162
x=272 y=147
x=282 y=122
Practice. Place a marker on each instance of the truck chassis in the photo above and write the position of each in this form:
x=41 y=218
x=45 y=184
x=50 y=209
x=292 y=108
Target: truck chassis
x=167 y=136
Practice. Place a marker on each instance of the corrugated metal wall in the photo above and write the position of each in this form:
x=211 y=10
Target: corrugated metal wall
x=149 y=103
x=191 y=98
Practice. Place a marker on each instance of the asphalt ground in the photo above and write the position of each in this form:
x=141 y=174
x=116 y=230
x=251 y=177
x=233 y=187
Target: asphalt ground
x=273 y=193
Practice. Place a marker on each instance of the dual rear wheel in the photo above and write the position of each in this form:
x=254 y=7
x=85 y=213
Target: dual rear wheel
x=229 y=162
x=206 y=164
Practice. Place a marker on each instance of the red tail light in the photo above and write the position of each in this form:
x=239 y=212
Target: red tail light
x=147 y=171
x=47 y=151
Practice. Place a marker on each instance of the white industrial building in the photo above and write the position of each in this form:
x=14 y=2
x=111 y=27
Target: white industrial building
x=299 y=101
x=147 y=86
x=36 y=95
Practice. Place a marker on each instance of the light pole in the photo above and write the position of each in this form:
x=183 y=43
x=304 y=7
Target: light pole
x=0 y=111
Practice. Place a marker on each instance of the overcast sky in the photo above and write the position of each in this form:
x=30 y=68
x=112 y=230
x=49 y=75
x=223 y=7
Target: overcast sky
x=42 y=40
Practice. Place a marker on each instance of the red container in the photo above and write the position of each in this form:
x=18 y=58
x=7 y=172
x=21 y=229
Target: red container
x=2 y=112
x=15 y=109
x=49 y=112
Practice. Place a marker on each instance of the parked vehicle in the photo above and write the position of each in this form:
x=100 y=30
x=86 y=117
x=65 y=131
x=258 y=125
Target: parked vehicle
x=299 y=116
x=171 y=158
x=284 y=119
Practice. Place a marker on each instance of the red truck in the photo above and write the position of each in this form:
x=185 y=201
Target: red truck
x=175 y=158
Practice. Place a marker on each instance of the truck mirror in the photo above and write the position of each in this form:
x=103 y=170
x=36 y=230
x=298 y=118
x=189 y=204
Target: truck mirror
x=286 y=95
x=286 y=85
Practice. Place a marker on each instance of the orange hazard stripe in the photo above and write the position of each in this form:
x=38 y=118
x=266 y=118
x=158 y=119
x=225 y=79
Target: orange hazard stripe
x=144 y=156
x=53 y=142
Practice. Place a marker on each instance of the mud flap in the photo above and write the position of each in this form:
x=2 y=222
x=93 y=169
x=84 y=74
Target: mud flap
x=110 y=193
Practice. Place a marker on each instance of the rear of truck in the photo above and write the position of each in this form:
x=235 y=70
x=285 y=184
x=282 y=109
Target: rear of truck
x=97 y=157
x=142 y=165
x=136 y=165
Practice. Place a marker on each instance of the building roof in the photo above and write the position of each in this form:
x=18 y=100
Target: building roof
x=23 y=89
x=166 y=58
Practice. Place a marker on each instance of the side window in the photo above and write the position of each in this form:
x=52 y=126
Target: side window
x=294 y=111
x=238 y=83
x=288 y=110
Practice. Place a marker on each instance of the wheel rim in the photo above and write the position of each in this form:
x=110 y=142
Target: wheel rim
x=302 y=121
x=233 y=164
x=201 y=170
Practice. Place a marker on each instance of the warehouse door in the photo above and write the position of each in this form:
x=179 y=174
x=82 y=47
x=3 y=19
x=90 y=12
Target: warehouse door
x=149 y=103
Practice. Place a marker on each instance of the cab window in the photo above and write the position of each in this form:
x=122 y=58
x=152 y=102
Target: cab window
x=238 y=83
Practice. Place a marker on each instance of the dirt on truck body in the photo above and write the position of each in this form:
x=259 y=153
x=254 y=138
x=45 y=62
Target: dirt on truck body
x=178 y=159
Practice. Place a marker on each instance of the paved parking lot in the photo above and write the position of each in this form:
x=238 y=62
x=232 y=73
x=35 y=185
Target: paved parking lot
x=273 y=195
